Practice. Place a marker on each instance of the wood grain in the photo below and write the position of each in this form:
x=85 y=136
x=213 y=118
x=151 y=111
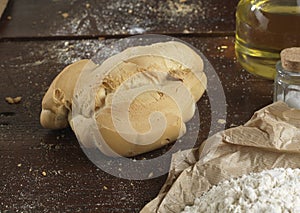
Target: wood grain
x=71 y=182
x=46 y=171
x=92 y=18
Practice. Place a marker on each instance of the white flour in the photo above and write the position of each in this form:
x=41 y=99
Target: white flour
x=276 y=190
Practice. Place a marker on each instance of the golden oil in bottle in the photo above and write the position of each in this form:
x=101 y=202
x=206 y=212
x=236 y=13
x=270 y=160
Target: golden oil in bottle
x=263 y=29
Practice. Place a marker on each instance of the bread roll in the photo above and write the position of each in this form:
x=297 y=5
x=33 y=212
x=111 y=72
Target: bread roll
x=145 y=96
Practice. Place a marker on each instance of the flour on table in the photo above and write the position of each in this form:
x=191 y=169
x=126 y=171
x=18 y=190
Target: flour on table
x=275 y=190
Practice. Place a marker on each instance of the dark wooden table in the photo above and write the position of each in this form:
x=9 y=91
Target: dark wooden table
x=46 y=171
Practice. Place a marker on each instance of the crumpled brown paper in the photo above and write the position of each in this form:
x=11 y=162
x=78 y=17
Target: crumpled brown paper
x=270 y=139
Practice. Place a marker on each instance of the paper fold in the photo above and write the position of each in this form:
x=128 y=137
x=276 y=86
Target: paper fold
x=270 y=139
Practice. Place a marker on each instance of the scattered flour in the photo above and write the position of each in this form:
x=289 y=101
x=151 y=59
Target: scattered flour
x=275 y=190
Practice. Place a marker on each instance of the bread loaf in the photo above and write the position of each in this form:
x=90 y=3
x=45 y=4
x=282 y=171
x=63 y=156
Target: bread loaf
x=145 y=96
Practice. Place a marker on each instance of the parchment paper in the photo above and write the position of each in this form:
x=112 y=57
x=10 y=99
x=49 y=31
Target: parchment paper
x=270 y=139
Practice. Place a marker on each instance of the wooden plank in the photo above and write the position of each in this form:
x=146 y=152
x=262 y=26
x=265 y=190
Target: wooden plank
x=46 y=18
x=43 y=170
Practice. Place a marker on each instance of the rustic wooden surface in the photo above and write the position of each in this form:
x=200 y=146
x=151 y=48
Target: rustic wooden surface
x=48 y=18
x=46 y=171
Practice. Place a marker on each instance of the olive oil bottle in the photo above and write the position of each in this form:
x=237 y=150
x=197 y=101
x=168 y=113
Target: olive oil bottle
x=263 y=29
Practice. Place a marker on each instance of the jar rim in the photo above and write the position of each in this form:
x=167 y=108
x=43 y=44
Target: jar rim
x=281 y=70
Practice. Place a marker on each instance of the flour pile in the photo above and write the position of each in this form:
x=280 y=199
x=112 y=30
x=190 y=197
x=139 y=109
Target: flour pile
x=276 y=190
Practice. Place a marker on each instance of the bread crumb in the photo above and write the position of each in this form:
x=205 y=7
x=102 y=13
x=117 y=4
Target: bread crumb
x=65 y=15
x=105 y=187
x=12 y=100
x=44 y=173
x=186 y=31
x=150 y=175
x=9 y=100
x=222 y=121
x=19 y=165
x=17 y=99
x=222 y=48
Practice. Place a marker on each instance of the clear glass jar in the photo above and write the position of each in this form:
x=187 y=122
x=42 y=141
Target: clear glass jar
x=263 y=29
x=287 y=87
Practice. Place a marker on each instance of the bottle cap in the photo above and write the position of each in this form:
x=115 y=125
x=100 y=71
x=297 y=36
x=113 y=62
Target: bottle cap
x=290 y=59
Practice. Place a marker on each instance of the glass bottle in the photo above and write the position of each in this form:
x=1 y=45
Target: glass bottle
x=287 y=81
x=263 y=29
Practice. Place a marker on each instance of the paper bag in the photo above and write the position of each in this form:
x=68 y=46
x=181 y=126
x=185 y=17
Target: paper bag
x=270 y=139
